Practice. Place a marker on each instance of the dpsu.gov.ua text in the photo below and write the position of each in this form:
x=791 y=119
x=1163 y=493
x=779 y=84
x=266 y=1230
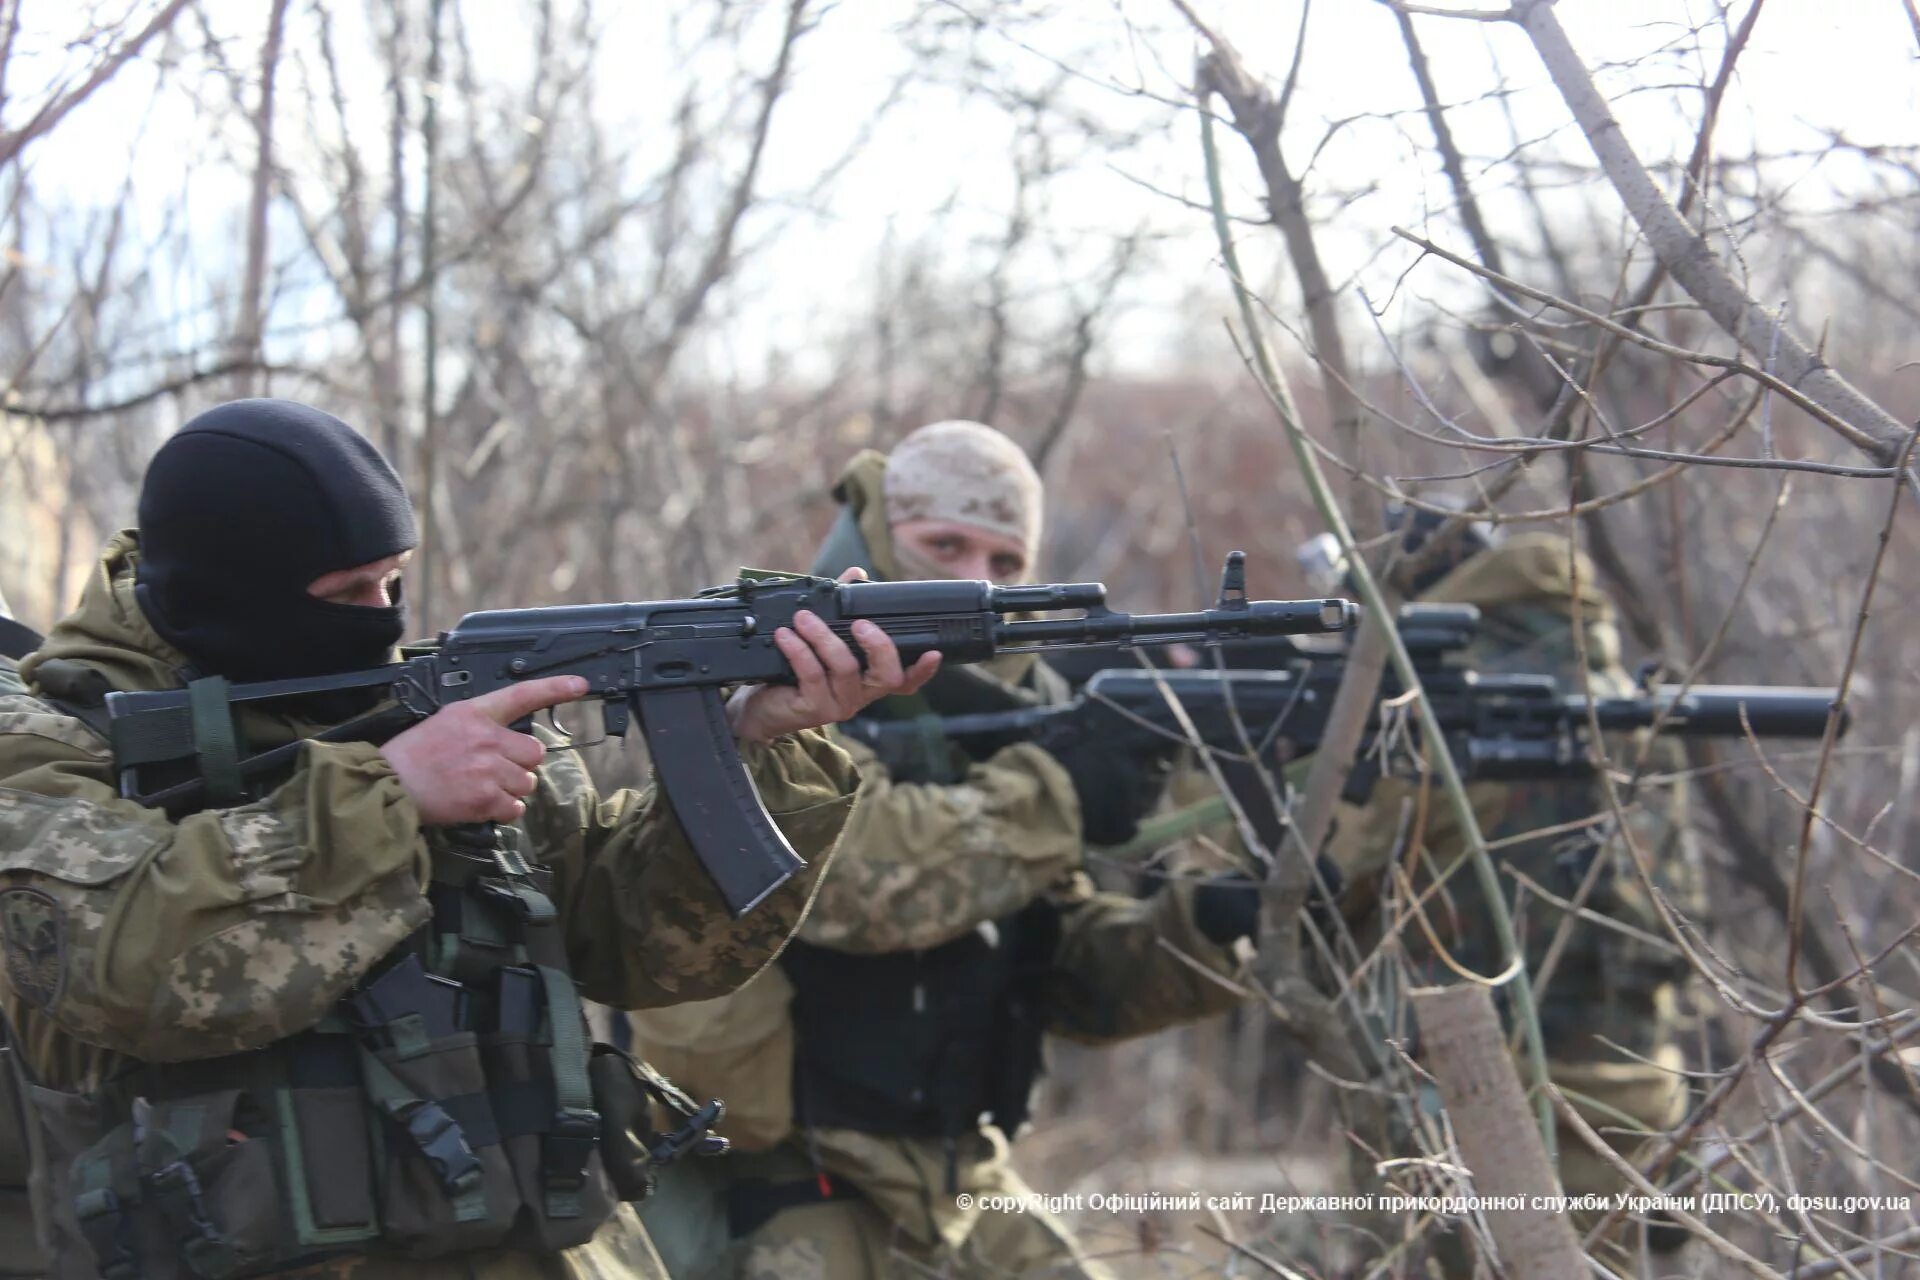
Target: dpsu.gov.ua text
x=1445 y=1206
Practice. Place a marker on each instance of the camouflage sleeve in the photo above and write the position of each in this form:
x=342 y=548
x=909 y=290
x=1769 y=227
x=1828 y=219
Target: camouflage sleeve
x=922 y=864
x=225 y=931
x=645 y=925
x=1129 y=967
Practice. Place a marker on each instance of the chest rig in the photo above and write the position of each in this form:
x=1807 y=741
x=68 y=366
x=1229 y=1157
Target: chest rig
x=927 y=1043
x=451 y=1101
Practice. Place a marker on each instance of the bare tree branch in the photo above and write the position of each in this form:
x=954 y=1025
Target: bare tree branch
x=251 y=317
x=1690 y=259
x=56 y=107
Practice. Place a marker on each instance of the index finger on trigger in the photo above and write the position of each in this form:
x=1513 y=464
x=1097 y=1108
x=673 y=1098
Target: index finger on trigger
x=518 y=701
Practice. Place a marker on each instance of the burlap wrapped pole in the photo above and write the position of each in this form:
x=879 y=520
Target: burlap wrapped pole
x=1466 y=1050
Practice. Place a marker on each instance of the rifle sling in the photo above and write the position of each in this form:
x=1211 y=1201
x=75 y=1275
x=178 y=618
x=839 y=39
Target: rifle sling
x=216 y=741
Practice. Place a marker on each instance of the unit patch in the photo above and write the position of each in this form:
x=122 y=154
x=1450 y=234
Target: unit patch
x=33 y=931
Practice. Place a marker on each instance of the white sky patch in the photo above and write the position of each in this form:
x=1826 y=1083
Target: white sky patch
x=1816 y=67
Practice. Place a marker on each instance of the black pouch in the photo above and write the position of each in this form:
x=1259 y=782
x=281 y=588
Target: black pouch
x=627 y=1092
x=69 y=1123
x=448 y=1185
x=519 y=1074
x=210 y=1167
x=330 y=1165
x=624 y=1127
x=188 y=1189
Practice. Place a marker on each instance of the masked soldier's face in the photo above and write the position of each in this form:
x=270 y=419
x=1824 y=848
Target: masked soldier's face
x=950 y=549
x=371 y=586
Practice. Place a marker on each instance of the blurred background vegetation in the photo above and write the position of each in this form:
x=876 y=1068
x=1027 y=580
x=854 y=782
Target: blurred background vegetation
x=620 y=286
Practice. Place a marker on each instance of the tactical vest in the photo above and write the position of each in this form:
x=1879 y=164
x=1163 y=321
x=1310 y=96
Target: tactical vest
x=451 y=1102
x=926 y=1043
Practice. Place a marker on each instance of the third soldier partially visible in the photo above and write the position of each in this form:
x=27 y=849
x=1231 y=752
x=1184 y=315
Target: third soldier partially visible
x=876 y=1075
x=1608 y=1006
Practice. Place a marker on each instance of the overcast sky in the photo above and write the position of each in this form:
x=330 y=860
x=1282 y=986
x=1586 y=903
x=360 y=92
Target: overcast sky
x=1814 y=66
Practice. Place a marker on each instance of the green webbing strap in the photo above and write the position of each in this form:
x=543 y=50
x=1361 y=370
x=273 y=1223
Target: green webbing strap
x=536 y=907
x=571 y=1136
x=576 y=1126
x=435 y=1134
x=478 y=932
x=216 y=741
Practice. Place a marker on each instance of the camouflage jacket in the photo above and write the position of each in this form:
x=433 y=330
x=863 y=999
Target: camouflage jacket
x=19 y=1242
x=1607 y=982
x=129 y=934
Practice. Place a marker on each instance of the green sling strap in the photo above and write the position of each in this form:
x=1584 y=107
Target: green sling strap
x=217 y=740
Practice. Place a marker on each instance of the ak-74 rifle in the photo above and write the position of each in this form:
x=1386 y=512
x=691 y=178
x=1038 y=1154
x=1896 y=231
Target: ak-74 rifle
x=666 y=663
x=1498 y=727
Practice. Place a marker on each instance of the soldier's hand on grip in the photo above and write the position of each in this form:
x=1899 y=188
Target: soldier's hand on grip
x=1227 y=907
x=463 y=764
x=1116 y=773
x=831 y=684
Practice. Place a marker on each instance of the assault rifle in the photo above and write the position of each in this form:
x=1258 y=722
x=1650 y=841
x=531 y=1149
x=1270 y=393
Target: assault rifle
x=666 y=663
x=1498 y=727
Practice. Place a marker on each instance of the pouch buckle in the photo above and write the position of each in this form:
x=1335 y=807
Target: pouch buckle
x=693 y=1136
x=566 y=1146
x=440 y=1140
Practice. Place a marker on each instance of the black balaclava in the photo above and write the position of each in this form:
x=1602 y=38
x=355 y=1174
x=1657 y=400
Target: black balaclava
x=240 y=510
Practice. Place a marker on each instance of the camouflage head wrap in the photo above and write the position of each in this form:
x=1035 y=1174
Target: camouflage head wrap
x=966 y=472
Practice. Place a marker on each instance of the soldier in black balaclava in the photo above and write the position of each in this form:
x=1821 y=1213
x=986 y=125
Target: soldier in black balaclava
x=244 y=510
x=265 y=1030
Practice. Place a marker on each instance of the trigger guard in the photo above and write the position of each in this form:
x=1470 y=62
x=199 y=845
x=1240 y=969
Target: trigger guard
x=553 y=723
x=571 y=741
